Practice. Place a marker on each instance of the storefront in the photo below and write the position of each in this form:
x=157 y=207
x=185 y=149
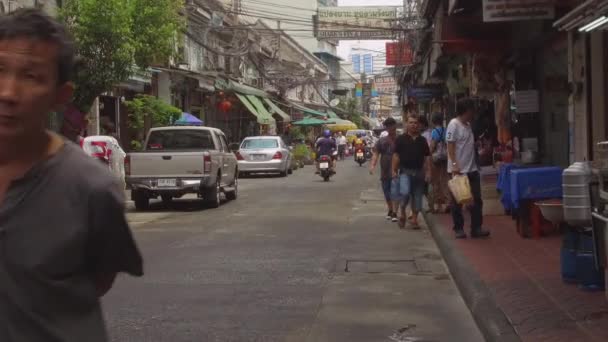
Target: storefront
x=587 y=27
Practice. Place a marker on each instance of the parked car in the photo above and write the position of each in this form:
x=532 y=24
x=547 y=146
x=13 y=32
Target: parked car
x=264 y=154
x=182 y=160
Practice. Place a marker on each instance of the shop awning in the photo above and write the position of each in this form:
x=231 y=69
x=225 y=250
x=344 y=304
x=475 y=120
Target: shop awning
x=313 y=122
x=309 y=111
x=332 y=115
x=589 y=16
x=274 y=109
x=239 y=88
x=264 y=117
x=249 y=106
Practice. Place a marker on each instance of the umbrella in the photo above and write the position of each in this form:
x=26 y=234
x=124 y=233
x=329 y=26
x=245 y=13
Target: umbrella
x=188 y=119
x=312 y=122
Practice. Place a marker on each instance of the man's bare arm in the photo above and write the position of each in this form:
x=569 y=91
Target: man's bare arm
x=395 y=164
x=452 y=156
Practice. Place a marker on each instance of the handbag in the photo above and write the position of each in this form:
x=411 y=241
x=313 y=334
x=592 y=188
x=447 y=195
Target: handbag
x=461 y=189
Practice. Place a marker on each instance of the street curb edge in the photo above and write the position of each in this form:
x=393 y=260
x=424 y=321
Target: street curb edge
x=491 y=320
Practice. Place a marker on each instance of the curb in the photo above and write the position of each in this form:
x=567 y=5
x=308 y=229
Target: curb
x=491 y=320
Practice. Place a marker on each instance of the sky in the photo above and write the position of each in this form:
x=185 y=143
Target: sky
x=345 y=45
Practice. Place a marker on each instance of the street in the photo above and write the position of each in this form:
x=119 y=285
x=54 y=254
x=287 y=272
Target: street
x=292 y=259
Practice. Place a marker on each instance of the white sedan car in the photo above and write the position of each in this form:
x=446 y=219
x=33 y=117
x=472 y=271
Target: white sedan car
x=264 y=154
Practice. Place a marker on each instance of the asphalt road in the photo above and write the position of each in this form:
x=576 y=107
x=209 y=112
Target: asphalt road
x=292 y=259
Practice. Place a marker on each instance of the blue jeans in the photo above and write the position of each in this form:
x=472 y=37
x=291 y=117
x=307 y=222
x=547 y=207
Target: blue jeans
x=409 y=184
x=386 y=189
x=476 y=208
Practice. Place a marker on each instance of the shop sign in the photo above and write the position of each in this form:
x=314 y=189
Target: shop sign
x=527 y=101
x=398 y=53
x=514 y=10
x=359 y=90
x=357 y=22
x=424 y=94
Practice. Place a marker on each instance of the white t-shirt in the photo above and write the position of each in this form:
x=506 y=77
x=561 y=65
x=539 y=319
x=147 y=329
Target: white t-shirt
x=462 y=135
x=342 y=140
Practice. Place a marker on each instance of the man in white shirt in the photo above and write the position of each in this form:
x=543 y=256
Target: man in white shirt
x=461 y=161
x=342 y=142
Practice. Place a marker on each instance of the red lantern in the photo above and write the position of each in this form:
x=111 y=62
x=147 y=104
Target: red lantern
x=225 y=106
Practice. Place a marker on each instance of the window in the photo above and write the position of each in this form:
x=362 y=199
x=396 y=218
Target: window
x=180 y=140
x=259 y=143
x=224 y=143
x=356 y=63
x=368 y=64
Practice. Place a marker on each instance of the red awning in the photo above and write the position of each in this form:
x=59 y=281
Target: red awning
x=468 y=34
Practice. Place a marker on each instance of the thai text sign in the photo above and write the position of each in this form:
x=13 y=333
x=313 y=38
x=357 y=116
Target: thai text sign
x=356 y=23
x=398 y=54
x=513 y=10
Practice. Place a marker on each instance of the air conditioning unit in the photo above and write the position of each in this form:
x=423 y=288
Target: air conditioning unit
x=258 y=82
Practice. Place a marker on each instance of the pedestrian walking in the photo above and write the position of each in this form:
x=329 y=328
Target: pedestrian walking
x=383 y=152
x=411 y=167
x=63 y=232
x=438 y=197
x=342 y=142
x=461 y=161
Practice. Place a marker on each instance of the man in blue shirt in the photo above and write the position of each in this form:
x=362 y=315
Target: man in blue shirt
x=326 y=146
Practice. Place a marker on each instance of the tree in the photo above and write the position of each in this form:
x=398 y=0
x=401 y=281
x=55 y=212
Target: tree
x=146 y=107
x=115 y=37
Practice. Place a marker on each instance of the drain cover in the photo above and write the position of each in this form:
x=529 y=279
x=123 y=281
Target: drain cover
x=380 y=266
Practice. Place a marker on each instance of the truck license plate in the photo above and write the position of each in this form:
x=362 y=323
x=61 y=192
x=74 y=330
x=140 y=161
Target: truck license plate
x=167 y=182
x=324 y=165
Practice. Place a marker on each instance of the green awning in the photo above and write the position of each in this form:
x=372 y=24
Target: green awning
x=249 y=106
x=239 y=88
x=309 y=122
x=332 y=115
x=274 y=109
x=310 y=111
x=264 y=117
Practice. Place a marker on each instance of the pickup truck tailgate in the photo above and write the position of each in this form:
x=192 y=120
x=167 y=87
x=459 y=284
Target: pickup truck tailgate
x=159 y=164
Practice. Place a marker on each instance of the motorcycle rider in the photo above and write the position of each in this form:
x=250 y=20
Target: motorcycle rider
x=326 y=146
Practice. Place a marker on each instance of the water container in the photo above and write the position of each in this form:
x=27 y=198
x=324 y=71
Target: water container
x=568 y=256
x=588 y=276
x=576 y=198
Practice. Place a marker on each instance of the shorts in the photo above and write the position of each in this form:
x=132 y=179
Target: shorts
x=406 y=187
x=386 y=188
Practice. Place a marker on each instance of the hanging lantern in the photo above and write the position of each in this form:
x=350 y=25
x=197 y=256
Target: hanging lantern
x=225 y=106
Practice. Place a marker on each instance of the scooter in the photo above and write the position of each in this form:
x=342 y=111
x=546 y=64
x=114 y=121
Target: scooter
x=325 y=167
x=360 y=157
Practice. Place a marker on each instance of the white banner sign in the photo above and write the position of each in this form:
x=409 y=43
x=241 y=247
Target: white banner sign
x=514 y=10
x=356 y=23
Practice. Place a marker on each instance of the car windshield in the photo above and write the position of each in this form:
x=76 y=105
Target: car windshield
x=351 y=133
x=259 y=143
x=180 y=140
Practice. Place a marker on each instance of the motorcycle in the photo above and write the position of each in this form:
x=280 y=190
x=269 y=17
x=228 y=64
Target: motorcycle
x=360 y=157
x=325 y=167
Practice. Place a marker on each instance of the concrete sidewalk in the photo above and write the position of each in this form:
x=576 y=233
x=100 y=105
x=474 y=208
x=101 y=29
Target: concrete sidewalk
x=390 y=285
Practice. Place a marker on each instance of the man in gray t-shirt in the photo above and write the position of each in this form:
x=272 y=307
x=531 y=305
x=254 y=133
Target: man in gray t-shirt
x=63 y=231
x=461 y=161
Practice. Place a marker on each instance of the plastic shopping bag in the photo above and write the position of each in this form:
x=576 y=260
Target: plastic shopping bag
x=461 y=189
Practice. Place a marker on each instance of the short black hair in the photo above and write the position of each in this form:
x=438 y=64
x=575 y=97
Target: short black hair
x=389 y=122
x=33 y=23
x=437 y=119
x=464 y=105
x=423 y=121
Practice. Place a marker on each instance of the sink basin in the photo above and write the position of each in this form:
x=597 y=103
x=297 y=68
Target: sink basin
x=552 y=210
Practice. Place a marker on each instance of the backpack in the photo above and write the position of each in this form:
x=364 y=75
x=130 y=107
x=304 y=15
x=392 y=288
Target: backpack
x=441 y=150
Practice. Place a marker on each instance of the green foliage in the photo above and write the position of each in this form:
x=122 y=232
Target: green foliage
x=114 y=37
x=146 y=106
x=301 y=152
x=297 y=133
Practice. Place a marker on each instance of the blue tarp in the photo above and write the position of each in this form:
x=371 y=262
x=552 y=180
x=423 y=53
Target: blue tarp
x=535 y=183
x=188 y=119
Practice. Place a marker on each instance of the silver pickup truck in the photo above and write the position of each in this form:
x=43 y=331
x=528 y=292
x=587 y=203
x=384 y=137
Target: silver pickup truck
x=182 y=160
